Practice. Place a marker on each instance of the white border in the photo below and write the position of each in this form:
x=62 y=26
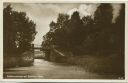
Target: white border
x=63 y=1
x=1 y=40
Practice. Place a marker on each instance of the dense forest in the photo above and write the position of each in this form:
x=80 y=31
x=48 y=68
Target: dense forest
x=90 y=34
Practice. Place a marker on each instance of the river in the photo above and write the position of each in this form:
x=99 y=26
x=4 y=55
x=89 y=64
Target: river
x=43 y=69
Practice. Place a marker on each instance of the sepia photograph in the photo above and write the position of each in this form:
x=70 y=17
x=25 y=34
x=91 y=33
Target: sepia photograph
x=64 y=41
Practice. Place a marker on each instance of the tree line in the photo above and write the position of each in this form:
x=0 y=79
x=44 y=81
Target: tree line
x=88 y=35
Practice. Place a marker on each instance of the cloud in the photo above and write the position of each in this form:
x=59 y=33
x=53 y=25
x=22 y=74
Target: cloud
x=116 y=10
x=84 y=10
x=71 y=11
x=89 y=10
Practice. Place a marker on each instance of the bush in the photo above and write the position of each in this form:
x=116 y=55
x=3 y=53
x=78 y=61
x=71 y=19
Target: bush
x=26 y=59
x=10 y=61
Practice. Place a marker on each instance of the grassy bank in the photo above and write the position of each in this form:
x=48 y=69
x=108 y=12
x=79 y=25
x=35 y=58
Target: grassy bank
x=25 y=59
x=113 y=65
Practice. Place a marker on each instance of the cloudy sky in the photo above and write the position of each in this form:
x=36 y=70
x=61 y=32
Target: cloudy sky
x=43 y=14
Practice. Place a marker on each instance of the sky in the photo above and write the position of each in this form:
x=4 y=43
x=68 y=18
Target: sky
x=43 y=13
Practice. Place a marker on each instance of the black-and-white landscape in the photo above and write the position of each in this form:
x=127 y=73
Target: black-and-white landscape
x=63 y=40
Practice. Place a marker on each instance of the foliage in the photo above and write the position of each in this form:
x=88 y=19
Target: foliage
x=19 y=31
x=87 y=34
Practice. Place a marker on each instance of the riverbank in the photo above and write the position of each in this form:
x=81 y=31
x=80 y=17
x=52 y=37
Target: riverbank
x=25 y=59
x=110 y=65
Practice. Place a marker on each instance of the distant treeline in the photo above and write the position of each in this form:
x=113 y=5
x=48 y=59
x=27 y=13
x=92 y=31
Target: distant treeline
x=97 y=34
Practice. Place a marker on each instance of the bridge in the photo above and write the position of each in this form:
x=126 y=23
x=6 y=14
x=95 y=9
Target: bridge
x=37 y=47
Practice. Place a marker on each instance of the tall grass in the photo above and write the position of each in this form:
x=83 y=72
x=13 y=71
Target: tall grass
x=113 y=64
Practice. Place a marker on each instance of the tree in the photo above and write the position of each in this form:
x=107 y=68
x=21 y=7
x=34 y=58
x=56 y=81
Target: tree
x=88 y=34
x=9 y=31
x=119 y=30
x=57 y=33
x=103 y=27
x=75 y=26
x=19 y=31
